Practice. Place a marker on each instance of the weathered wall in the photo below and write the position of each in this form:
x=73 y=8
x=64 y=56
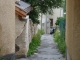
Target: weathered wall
x=73 y=28
x=23 y=43
x=22 y=40
x=20 y=35
x=19 y=25
x=7 y=29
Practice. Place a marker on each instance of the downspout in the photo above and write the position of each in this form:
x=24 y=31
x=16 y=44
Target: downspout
x=27 y=17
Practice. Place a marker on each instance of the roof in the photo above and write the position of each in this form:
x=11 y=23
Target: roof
x=23 y=5
x=22 y=8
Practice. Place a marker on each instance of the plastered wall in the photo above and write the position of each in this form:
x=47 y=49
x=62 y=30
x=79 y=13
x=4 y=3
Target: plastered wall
x=22 y=40
x=57 y=12
x=7 y=27
x=19 y=26
x=73 y=28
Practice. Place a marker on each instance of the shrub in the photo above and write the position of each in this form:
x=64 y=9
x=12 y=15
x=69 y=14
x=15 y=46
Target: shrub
x=40 y=31
x=58 y=20
x=60 y=41
x=35 y=43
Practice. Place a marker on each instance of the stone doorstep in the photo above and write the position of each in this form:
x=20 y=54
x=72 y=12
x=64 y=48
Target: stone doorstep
x=8 y=57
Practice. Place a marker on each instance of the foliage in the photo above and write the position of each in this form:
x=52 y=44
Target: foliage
x=58 y=20
x=64 y=5
x=60 y=34
x=62 y=26
x=40 y=31
x=60 y=41
x=34 y=16
x=35 y=43
x=42 y=6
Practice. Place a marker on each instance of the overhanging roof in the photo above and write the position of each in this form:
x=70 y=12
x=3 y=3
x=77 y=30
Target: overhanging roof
x=22 y=8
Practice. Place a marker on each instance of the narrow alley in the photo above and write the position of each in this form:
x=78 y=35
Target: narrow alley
x=48 y=50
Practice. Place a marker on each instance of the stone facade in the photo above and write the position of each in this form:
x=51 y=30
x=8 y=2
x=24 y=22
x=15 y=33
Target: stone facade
x=22 y=40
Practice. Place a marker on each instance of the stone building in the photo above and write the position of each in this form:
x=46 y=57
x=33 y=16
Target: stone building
x=57 y=12
x=50 y=20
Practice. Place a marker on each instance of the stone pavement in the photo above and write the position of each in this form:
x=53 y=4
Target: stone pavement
x=46 y=51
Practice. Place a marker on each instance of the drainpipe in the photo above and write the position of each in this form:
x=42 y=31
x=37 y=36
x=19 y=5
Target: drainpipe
x=27 y=17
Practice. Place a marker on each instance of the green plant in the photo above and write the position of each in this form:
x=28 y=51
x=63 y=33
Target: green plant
x=35 y=43
x=34 y=14
x=42 y=6
x=60 y=41
x=59 y=19
x=41 y=31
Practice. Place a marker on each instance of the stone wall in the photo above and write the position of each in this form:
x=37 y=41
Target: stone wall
x=19 y=26
x=22 y=40
x=7 y=29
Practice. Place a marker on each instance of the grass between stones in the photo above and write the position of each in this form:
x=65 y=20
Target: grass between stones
x=35 y=43
x=60 y=41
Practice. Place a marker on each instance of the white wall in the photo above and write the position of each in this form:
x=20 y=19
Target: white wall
x=43 y=20
x=45 y=27
x=58 y=12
